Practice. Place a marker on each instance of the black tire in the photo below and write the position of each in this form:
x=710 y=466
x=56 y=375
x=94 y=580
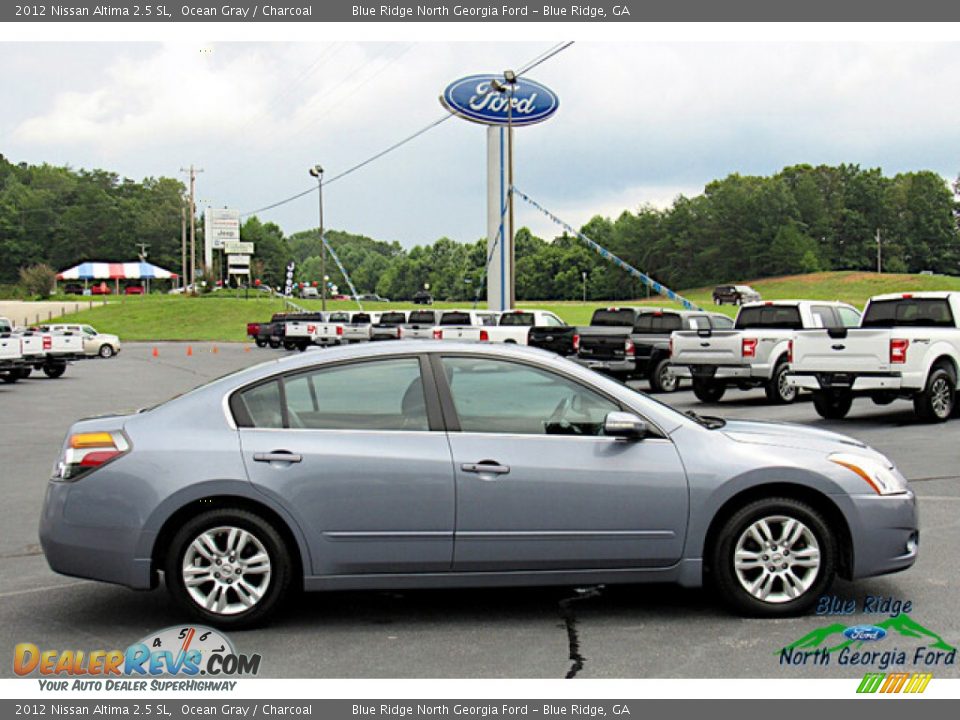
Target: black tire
x=509 y=342
x=661 y=379
x=302 y=347
x=10 y=377
x=708 y=391
x=717 y=301
x=261 y=342
x=277 y=583
x=777 y=389
x=809 y=583
x=289 y=345
x=106 y=351
x=24 y=372
x=832 y=405
x=274 y=343
x=54 y=369
x=937 y=401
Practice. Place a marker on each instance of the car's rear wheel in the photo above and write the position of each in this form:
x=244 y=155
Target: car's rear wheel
x=24 y=372
x=773 y=558
x=54 y=369
x=708 y=390
x=777 y=388
x=274 y=344
x=289 y=346
x=260 y=342
x=11 y=376
x=662 y=378
x=106 y=351
x=935 y=403
x=832 y=405
x=228 y=567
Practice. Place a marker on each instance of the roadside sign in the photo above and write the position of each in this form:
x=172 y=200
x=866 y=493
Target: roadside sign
x=236 y=247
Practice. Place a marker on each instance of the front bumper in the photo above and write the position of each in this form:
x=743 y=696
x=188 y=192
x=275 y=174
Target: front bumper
x=884 y=532
x=81 y=540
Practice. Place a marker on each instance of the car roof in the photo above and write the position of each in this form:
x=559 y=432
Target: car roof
x=927 y=294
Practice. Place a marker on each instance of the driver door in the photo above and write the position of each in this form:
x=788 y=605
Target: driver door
x=539 y=487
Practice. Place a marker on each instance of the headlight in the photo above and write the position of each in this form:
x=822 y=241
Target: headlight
x=878 y=475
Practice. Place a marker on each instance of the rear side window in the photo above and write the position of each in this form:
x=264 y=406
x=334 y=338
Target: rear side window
x=779 y=317
x=909 y=312
x=658 y=323
x=517 y=319
x=612 y=318
x=823 y=316
x=848 y=317
x=455 y=318
x=261 y=405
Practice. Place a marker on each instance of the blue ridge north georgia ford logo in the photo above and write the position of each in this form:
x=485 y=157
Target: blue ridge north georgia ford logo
x=475 y=98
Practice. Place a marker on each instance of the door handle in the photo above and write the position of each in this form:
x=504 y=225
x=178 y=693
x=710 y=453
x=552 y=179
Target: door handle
x=278 y=456
x=488 y=467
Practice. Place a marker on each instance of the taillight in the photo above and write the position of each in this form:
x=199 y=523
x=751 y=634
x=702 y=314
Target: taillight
x=85 y=452
x=339 y=329
x=670 y=347
x=438 y=334
x=399 y=331
x=576 y=342
x=789 y=351
x=748 y=348
x=898 y=350
x=47 y=342
x=484 y=336
x=628 y=347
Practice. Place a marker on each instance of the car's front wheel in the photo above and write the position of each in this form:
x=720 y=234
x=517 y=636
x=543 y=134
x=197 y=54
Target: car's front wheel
x=708 y=391
x=228 y=567
x=662 y=379
x=106 y=351
x=773 y=558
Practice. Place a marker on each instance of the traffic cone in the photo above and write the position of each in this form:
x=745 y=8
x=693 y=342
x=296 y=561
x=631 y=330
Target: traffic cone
x=246 y=348
x=189 y=351
x=156 y=353
x=214 y=350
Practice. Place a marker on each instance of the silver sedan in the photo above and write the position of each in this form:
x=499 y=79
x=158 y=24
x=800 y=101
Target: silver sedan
x=429 y=464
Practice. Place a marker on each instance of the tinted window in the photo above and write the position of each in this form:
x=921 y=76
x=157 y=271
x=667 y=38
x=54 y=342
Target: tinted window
x=455 y=318
x=493 y=396
x=848 y=317
x=721 y=322
x=380 y=395
x=613 y=318
x=393 y=318
x=487 y=319
x=423 y=317
x=360 y=318
x=657 y=323
x=339 y=317
x=262 y=406
x=823 y=316
x=780 y=317
x=913 y=312
x=517 y=318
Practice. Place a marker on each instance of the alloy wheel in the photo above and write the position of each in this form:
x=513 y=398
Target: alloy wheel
x=777 y=559
x=226 y=570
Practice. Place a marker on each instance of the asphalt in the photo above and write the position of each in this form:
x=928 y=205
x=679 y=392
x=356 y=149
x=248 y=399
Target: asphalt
x=612 y=632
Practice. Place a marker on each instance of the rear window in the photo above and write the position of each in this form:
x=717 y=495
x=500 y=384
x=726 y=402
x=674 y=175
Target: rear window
x=779 y=317
x=909 y=312
x=455 y=318
x=393 y=318
x=422 y=317
x=359 y=318
x=339 y=317
x=519 y=318
x=657 y=323
x=613 y=318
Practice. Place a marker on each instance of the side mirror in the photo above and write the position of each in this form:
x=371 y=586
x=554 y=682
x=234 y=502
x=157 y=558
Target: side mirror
x=624 y=425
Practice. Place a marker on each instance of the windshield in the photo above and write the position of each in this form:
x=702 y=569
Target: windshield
x=613 y=318
x=778 y=317
x=909 y=312
x=517 y=318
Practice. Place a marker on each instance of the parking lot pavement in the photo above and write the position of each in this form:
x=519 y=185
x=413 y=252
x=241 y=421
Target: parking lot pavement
x=630 y=631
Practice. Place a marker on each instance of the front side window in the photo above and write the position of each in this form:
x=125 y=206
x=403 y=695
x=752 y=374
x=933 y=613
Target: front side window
x=377 y=395
x=822 y=316
x=495 y=396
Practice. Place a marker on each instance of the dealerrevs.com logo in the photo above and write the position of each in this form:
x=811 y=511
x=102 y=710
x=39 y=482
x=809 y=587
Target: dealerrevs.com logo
x=180 y=652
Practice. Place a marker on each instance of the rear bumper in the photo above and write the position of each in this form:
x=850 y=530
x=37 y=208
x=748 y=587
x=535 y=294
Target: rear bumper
x=884 y=532
x=721 y=372
x=852 y=381
x=614 y=367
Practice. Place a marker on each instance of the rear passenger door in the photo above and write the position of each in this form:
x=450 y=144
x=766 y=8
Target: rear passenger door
x=357 y=453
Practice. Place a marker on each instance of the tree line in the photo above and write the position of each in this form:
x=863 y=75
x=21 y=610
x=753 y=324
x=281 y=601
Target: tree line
x=802 y=219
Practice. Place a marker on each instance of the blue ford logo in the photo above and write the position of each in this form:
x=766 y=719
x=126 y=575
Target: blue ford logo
x=474 y=98
x=867 y=633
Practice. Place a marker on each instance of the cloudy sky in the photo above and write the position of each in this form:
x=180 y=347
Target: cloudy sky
x=638 y=122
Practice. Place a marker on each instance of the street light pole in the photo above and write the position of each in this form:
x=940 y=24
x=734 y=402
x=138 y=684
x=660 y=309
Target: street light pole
x=317 y=172
x=879 y=266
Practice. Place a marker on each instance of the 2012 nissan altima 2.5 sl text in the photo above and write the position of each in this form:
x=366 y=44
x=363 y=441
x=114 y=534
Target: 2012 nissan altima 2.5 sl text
x=429 y=464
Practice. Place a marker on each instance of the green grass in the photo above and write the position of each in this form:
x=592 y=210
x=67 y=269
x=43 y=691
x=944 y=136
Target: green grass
x=223 y=317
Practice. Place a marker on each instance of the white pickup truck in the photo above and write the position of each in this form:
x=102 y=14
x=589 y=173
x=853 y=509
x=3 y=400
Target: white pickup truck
x=48 y=351
x=465 y=325
x=300 y=329
x=907 y=346
x=420 y=324
x=10 y=355
x=756 y=353
x=512 y=327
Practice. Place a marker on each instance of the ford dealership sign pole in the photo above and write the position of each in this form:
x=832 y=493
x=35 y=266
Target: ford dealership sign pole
x=502 y=102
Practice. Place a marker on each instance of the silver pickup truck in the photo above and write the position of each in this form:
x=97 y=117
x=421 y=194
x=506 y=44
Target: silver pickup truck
x=756 y=353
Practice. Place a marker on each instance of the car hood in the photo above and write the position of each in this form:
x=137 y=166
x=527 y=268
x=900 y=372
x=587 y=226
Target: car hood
x=789 y=435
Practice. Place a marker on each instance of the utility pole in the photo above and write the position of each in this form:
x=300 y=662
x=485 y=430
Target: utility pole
x=183 y=242
x=192 y=171
x=879 y=267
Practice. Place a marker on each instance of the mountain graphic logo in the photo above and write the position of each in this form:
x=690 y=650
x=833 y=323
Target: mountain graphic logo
x=831 y=637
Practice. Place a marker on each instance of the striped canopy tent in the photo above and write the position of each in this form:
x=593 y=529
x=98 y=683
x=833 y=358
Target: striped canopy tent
x=116 y=271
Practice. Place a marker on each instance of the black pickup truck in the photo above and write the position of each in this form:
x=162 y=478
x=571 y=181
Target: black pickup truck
x=639 y=347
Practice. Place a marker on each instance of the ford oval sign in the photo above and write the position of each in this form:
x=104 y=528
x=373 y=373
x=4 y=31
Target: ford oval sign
x=865 y=633
x=525 y=102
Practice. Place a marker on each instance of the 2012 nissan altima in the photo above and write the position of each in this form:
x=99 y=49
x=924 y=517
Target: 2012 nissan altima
x=435 y=464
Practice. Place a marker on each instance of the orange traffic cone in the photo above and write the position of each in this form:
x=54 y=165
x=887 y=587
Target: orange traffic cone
x=156 y=353
x=189 y=351
x=246 y=348
x=214 y=350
